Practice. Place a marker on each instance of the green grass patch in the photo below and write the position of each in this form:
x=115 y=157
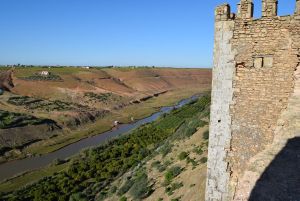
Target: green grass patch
x=11 y=120
x=23 y=180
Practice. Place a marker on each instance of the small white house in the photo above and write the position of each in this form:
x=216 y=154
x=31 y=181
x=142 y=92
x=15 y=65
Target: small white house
x=44 y=73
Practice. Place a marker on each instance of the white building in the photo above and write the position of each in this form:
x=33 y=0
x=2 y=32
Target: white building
x=44 y=73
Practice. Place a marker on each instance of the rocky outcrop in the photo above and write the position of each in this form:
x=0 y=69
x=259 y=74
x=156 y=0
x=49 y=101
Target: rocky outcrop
x=6 y=81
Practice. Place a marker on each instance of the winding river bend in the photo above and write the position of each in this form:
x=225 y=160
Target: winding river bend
x=10 y=169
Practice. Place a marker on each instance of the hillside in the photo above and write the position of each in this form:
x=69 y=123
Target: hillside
x=45 y=113
x=158 y=161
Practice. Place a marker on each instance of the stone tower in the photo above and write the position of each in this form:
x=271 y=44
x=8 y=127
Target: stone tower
x=255 y=108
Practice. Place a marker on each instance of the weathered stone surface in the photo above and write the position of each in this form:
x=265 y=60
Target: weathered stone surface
x=253 y=86
x=220 y=121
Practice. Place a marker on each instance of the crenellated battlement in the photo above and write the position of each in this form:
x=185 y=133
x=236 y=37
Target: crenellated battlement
x=222 y=12
x=297 y=10
x=269 y=8
x=245 y=10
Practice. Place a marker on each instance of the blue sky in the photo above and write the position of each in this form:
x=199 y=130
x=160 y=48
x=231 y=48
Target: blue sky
x=175 y=33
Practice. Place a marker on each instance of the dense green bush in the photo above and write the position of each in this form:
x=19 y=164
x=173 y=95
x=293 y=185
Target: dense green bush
x=125 y=188
x=78 y=197
x=203 y=160
x=172 y=173
x=140 y=189
x=123 y=198
x=182 y=155
x=160 y=167
x=198 y=150
x=206 y=135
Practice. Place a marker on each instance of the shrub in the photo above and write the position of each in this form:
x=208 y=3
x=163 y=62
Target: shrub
x=155 y=164
x=167 y=163
x=101 y=196
x=176 y=199
x=198 y=150
x=170 y=189
x=165 y=149
x=176 y=170
x=190 y=160
x=123 y=198
x=172 y=173
x=203 y=160
x=183 y=155
x=160 y=167
x=125 y=188
x=113 y=189
x=206 y=135
x=140 y=189
x=78 y=197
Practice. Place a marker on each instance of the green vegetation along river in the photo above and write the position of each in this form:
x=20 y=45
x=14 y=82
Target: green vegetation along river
x=10 y=169
x=92 y=170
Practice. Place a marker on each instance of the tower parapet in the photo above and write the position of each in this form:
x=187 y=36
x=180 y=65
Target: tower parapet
x=222 y=13
x=297 y=10
x=253 y=80
x=269 y=8
x=245 y=9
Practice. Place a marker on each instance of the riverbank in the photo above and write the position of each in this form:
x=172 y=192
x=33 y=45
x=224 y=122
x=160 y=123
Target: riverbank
x=124 y=115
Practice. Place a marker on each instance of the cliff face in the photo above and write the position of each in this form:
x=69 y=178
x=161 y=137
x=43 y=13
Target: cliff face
x=255 y=98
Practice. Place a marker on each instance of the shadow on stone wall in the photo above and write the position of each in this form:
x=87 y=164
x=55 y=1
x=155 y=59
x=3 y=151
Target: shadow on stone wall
x=281 y=180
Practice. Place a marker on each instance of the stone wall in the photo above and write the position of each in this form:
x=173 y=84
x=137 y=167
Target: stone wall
x=222 y=92
x=264 y=54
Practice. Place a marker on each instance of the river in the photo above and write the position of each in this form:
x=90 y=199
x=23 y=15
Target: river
x=13 y=168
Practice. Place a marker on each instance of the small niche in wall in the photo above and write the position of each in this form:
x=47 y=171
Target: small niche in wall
x=258 y=62
x=263 y=62
x=268 y=62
